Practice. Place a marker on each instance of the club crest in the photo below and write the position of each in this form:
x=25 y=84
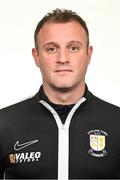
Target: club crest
x=12 y=158
x=97 y=142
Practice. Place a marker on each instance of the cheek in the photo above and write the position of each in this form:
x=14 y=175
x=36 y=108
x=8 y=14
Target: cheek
x=46 y=59
x=80 y=64
x=46 y=66
x=43 y=61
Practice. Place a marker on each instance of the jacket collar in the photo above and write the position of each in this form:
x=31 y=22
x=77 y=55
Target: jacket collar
x=41 y=94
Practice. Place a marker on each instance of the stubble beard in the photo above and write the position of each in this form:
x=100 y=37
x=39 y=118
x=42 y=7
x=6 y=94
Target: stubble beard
x=65 y=88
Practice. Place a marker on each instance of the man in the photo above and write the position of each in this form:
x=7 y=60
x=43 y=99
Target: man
x=64 y=131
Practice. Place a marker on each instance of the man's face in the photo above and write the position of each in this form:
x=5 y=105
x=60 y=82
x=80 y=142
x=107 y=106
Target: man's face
x=63 y=55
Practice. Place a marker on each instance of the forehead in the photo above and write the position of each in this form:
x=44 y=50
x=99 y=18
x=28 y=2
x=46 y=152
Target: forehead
x=62 y=32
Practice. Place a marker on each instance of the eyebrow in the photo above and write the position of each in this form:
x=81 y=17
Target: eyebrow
x=56 y=44
x=50 y=43
x=77 y=42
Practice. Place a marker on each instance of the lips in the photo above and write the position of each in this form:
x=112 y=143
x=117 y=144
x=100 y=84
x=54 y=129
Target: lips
x=63 y=70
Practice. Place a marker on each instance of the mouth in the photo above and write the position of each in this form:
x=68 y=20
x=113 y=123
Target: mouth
x=63 y=70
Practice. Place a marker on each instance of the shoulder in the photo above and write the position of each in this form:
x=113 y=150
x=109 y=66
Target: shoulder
x=17 y=107
x=102 y=105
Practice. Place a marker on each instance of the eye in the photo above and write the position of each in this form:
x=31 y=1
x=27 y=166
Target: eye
x=51 y=50
x=74 y=49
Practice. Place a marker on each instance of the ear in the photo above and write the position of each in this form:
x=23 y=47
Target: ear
x=90 y=50
x=35 y=56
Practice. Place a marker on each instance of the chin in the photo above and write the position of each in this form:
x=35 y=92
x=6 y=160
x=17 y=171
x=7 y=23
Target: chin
x=62 y=88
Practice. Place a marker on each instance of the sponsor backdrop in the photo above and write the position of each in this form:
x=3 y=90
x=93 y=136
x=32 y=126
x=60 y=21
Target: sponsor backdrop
x=20 y=78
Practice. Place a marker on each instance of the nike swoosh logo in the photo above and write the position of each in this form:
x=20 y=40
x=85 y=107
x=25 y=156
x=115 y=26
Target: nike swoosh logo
x=19 y=146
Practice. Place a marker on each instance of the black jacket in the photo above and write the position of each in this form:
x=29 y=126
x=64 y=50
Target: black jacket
x=34 y=144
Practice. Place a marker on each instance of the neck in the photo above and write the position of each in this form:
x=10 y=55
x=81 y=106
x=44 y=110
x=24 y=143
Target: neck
x=64 y=96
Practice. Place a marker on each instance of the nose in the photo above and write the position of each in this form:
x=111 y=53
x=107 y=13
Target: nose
x=62 y=57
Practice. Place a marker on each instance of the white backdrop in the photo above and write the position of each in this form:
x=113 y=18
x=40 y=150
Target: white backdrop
x=20 y=78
